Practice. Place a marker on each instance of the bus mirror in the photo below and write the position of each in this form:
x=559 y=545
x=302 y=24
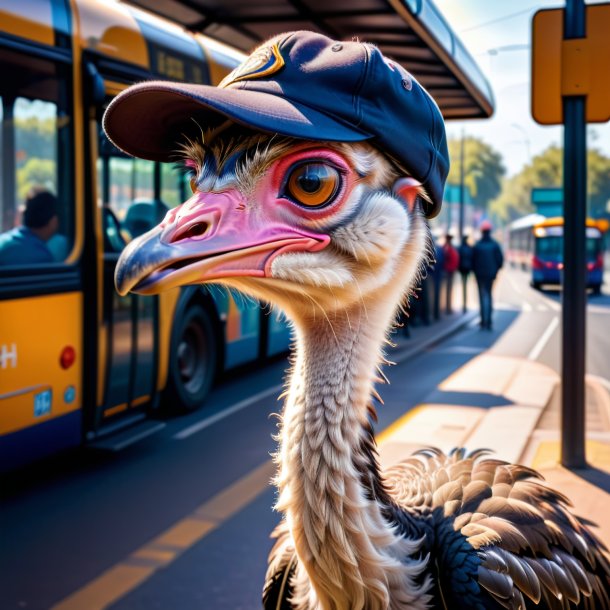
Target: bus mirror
x=96 y=90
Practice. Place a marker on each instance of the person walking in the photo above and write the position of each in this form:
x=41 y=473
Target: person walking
x=436 y=269
x=451 y=264
x=465 y=252
x=487 y=259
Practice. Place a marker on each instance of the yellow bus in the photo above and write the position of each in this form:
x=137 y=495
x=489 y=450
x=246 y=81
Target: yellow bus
x=78 y=362
x=536 y=243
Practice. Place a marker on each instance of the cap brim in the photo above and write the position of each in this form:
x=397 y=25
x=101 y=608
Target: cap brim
x=150 y=120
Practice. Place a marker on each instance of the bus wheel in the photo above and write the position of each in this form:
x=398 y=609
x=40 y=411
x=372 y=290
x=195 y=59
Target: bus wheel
x=192 y=362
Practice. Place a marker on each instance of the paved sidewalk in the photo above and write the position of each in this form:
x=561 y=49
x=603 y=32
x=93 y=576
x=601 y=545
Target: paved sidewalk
x=521 y=425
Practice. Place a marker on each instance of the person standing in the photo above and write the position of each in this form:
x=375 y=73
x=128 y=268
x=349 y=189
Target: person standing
x=487 y=259
x=451 y=264
x=436 y=269
x=465 y=252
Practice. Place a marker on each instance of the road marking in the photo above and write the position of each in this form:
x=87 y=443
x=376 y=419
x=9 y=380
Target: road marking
x=546 y=335
x=553 y=305
x=514 y=284
x=238 y=406
x=138 y=567
x=525 y=306
x=541 y=307
x=398 y=423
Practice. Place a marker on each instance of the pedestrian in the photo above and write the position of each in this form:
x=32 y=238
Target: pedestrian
x=465 y=252
x=451 y=263
x=436 y=269
x=487 y=259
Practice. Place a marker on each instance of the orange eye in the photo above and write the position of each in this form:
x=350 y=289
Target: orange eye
x=193 y=184
x=313 y=184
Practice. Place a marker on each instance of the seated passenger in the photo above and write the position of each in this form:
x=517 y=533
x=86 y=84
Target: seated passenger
x=27 y=244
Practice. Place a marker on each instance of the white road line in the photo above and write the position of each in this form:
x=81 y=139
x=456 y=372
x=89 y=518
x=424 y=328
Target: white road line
x=514 y=284
x=541 y=307
x=238 y=406
x=553 y=305
x=525 y=306
x=546 y=335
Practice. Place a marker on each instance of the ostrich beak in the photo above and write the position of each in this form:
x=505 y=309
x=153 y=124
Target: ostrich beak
x=209 y=237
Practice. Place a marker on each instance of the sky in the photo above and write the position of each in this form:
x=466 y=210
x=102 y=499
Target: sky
x=498 y=36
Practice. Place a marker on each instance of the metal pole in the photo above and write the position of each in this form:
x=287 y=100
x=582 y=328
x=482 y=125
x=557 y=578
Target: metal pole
x=574 y=274
x=461 y=215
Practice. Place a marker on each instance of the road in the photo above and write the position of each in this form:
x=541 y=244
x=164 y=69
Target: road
x=182 y=519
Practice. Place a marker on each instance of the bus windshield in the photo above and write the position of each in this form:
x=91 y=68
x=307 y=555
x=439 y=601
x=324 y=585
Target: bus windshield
x=550 y=248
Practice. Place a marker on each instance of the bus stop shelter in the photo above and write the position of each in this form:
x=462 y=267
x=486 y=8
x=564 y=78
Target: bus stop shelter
x=412 y=32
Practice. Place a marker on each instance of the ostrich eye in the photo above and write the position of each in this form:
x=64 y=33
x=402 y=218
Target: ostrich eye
x=193 y=184
x=313 y=184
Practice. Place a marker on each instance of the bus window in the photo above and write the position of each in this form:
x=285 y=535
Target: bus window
x=174 y=186
x=36 y=202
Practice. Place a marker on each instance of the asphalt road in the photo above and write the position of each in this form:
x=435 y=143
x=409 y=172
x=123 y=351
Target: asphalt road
x=182 y=519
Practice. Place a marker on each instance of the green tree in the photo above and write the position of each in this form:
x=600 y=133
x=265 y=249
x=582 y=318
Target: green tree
x=483 y=169
x=36 y=173
x=546 y=170
x=35 y=137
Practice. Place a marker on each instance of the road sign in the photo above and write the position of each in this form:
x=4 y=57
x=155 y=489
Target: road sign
x=570 y=67
x=548 y=201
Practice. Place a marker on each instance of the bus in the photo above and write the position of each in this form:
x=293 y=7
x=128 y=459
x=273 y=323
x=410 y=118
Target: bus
x=79 y=363
x=536 y=243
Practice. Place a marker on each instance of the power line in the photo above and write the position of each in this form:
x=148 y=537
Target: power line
x=497 y=20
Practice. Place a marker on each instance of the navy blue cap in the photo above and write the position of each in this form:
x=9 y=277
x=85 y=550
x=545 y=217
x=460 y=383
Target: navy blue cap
x=299 y=84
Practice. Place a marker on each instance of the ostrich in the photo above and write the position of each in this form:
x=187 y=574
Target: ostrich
x=313 y=167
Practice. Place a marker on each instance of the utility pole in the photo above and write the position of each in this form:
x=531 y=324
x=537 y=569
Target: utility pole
x=574 y=257
x=461 y=211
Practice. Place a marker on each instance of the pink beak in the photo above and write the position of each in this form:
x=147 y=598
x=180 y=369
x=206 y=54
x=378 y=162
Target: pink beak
x=209 y=237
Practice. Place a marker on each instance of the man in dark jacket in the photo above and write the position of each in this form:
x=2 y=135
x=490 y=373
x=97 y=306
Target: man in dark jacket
x=465 y=251
x=487 y=259
x=451 y=263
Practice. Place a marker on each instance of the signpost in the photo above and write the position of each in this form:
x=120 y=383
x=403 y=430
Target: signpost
x=570 y=85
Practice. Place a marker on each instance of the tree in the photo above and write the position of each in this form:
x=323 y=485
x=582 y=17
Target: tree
x=36 y=173
x=546 y=170
x=483 y=169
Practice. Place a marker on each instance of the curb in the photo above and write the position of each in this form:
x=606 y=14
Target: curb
x=601 y=388
x=408 y=351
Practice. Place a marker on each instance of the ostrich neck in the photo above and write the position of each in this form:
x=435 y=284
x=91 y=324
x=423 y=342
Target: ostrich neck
x=342 y=541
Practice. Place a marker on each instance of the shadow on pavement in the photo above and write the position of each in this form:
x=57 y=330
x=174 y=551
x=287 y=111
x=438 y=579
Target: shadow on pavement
x=595 y=476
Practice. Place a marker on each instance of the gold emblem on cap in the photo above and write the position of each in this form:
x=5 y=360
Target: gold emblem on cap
x=264 y=61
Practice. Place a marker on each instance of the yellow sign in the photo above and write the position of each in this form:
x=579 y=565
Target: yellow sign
x=580 y=66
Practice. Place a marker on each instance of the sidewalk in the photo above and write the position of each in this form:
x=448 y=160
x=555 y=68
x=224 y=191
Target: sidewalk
x=522 y=425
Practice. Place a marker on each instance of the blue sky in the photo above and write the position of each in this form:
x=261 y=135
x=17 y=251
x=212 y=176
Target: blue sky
x=498 y=34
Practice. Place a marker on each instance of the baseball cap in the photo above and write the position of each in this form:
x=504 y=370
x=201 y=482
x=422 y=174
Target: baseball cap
x=299 y=84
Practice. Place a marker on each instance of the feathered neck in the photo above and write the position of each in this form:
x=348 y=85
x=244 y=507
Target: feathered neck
x=350 y=557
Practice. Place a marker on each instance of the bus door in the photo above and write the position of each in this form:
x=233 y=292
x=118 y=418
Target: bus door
x=129 y=322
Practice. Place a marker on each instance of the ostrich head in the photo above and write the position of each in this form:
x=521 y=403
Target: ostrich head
x=317 y=204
